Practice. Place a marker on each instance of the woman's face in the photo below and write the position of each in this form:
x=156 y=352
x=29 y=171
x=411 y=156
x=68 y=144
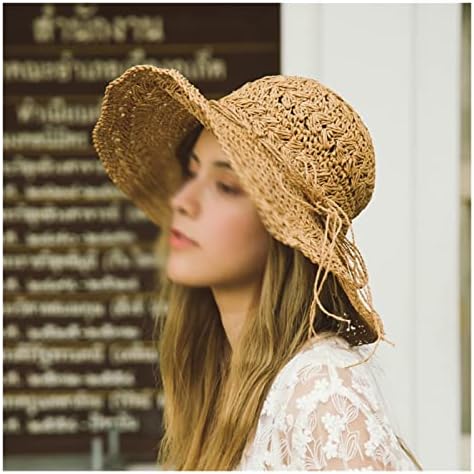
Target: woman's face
x=212 y=209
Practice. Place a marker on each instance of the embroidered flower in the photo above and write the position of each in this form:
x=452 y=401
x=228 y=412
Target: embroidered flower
x=321 y=389
x=330 y=449
x=334 y=424
x=302 y=402
x=376 y=435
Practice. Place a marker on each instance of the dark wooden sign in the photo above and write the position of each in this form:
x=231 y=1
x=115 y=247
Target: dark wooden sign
x=79 y=270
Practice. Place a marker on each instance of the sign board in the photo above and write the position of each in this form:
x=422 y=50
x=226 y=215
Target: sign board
x=79 y=271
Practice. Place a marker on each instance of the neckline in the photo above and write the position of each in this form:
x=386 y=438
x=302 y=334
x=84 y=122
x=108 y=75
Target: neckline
x=318 y=339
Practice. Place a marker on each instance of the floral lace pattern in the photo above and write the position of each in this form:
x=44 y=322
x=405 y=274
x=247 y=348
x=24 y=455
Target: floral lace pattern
x=319 y=415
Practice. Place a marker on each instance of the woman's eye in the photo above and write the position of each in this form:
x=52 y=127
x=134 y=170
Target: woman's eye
x=227 y=189
x=221 y=186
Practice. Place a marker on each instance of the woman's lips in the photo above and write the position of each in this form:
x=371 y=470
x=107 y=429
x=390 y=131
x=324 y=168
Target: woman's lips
x=179 y=240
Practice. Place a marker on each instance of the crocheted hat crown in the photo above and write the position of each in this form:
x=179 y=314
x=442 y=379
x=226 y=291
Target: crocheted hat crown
x=328 y=148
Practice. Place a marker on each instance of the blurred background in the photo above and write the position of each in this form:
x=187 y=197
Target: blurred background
x=81 y=389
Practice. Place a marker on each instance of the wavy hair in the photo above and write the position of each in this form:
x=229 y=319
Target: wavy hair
x=209 y=412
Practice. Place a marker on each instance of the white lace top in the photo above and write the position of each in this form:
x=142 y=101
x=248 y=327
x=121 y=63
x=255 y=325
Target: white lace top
x=321 y=416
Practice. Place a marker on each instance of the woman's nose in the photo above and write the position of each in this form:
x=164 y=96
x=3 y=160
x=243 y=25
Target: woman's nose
x=184 y=200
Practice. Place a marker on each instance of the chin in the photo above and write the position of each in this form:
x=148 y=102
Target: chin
x=181 y=276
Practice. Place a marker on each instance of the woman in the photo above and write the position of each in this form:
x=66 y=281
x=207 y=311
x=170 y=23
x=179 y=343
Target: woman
x=268 y=304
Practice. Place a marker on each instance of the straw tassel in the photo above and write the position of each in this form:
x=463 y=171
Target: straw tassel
x=334 y=222
x=326 y=254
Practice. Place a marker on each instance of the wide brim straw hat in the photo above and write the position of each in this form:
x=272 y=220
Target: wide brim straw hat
x=300 y=151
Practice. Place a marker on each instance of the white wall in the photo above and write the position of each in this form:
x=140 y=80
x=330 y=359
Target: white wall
x=398 y=65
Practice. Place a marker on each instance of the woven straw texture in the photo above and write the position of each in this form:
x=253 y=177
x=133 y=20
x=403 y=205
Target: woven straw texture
x=302 y=153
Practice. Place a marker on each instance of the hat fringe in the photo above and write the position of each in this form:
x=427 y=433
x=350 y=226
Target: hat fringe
x=326 y=254
x=355 y=265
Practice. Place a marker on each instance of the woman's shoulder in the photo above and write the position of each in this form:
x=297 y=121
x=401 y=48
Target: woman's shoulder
x=332 y=350
x=319 y=405
x=326 y=360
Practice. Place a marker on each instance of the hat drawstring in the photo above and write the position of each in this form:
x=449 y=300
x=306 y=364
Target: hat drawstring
x=358 y=271
x=326 y=254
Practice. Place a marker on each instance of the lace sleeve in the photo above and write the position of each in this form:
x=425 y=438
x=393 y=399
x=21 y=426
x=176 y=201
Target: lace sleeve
x=334 y=421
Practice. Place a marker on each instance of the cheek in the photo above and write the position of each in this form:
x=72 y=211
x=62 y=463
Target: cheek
x=237 y=235
x=233 y=246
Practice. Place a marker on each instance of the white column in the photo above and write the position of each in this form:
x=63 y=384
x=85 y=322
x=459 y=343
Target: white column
x=398 y=65
x=300 y=32
x=437 y=159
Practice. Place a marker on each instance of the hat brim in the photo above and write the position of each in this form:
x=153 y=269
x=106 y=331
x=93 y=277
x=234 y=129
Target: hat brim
x=145 y=115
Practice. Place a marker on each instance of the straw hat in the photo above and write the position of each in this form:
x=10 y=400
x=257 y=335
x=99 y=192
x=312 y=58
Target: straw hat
x=301 y=152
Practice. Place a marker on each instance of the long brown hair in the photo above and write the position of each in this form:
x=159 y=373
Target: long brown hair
x=209 y=413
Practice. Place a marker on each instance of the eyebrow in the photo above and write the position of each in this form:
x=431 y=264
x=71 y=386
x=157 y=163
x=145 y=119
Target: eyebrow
x=217 y=163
